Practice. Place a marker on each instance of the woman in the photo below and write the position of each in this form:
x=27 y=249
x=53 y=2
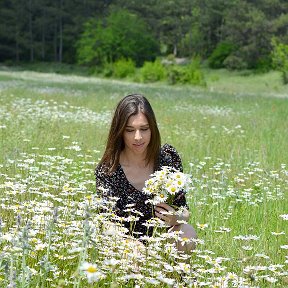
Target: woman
x=132 y=154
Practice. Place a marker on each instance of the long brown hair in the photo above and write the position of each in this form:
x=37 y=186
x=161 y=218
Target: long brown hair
x=130 y=105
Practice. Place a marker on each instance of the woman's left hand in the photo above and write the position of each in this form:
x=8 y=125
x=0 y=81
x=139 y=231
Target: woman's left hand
x=167 y=214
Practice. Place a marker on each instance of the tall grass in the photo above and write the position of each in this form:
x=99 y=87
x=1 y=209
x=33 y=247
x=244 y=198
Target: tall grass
x=53 y=131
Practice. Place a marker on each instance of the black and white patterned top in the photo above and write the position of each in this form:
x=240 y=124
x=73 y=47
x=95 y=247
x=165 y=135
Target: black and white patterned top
x=117 y=185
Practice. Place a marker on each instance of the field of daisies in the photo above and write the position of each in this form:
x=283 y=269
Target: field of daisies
x=56 y=231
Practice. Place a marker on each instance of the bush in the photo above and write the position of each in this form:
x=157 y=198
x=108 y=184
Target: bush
x=190 y=74
x=220 y=53
x=123 y=68
x=153 y=71
x=107 y=70
x=234 y=62
x=175 y=74
x=280 y=59
x=264 y=64
x=285 y=77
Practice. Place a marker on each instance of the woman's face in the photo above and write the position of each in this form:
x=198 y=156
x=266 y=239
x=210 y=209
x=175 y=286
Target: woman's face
x=137 y=134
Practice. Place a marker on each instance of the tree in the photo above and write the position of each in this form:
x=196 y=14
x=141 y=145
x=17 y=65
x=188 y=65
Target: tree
x=169 y=21
x=248 y=28
x=204 y=34
x=14 y=42
x=120 y=35
x=44 y=29
x=48 y=30
x=174 y=23
x=75 y=15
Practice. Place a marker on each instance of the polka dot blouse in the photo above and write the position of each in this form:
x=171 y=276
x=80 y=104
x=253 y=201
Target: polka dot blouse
x=117 y=185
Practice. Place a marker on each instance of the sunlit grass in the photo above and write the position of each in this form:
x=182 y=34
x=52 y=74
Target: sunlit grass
x=247 y=83
x=52 y=132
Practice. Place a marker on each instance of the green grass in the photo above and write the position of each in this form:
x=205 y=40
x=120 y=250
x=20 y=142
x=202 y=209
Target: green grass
x=232 y=137
x=246 y=82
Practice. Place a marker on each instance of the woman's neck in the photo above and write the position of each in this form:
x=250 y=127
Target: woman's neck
x=130 y=159
x=136 y=169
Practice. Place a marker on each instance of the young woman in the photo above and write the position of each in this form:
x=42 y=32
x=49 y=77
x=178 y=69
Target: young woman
x=133 y=152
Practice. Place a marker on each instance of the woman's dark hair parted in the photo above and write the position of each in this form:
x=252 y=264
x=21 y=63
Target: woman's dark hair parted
x=128 y=106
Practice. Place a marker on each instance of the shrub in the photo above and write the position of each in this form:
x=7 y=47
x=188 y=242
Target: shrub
x=285 y=77
x=280 y=59
x=153 y=71
x=171 y=58
x=220 y=53
x=174 y=74
x=264 y=64
x=189 y=74
x=123 y=68
x=107 y=70
x=234 y=62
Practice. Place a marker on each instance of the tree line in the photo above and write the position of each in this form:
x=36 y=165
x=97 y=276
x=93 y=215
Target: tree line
x=227 y=33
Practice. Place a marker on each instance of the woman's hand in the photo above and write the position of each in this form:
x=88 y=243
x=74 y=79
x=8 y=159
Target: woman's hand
x=168 y=214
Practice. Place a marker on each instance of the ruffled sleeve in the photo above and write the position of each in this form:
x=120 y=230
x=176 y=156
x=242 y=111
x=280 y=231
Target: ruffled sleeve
x=170 y=157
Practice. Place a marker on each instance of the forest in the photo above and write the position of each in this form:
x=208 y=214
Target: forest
x=233 y=34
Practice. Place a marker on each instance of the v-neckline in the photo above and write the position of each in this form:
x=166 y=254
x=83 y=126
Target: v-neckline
x=126 y=179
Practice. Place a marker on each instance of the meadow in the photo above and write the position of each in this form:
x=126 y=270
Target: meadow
x=232 y=137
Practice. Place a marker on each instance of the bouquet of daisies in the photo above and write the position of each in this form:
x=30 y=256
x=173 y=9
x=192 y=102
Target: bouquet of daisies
x=164 y=185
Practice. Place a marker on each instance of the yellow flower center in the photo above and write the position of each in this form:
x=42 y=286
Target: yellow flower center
x=91 y=269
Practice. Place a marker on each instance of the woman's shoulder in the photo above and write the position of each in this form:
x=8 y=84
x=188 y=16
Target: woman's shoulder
x=102 y=170
x=170 y=157
x=168 y=149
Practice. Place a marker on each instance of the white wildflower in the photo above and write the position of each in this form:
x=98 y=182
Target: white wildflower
x=92 y=272
x=284 y=217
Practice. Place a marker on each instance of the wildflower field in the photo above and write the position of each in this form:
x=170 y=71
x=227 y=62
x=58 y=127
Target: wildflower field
x=52 y=133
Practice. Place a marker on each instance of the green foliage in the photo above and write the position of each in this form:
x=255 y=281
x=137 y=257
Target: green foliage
x=85 y=51
x=189 y=74
x=247 y=27
x=124 y=68
x=280 y=58
x=220 y=53
x=264 y=64
x=107 y=69
x=285 y=77
x=95 y=32
x=235 y=62
x=171 y=58
x=124 y=35
x=153 y=71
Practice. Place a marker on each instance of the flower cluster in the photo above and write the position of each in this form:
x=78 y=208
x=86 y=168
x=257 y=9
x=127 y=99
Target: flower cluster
x=165 y=184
